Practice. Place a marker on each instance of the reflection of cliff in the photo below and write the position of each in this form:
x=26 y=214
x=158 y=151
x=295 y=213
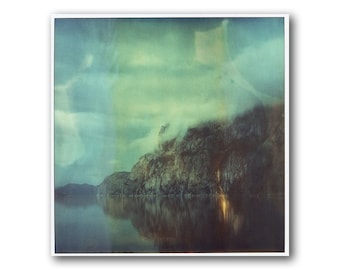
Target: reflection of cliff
x=218 y=157
x=201 y=224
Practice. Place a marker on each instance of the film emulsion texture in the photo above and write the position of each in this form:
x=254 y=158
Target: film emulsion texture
x=169 y=135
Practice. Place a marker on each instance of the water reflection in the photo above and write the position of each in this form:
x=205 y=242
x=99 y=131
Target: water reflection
x=153 y=224
x=80 y=228
x=235 y=220
x=202 y=224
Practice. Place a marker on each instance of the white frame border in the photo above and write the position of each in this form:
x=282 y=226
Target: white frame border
x=285 y=16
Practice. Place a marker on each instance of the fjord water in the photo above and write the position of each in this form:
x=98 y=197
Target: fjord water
x=164 y=224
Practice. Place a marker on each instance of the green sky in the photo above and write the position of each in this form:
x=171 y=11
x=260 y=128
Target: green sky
x=117 y=81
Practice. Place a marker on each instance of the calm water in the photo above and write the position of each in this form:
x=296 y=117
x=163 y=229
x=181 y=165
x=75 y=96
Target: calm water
x=209 y=224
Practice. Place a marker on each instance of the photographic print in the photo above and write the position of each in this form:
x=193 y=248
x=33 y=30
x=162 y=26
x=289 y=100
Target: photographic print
x=170 y=135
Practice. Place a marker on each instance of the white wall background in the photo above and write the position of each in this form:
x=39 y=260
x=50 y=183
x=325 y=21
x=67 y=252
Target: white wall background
x=25 y=133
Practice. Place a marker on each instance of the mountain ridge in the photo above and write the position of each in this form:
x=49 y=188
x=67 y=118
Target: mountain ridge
x=245 y=155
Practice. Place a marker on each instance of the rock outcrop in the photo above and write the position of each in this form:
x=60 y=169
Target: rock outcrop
x=218 y=157
x=117 y=184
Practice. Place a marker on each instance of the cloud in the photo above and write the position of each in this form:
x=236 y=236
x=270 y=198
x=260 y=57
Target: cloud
x=85 y=144
x=263 y=66
x=68 y=144
x=152 y=100
x=88 y=61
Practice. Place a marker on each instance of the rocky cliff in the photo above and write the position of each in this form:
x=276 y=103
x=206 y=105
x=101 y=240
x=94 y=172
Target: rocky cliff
x=243 y=155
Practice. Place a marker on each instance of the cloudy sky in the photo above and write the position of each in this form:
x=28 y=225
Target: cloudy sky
x=118 y=81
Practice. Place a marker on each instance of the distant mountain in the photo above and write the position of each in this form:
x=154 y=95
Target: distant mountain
x=75 y=190
x=245 y=155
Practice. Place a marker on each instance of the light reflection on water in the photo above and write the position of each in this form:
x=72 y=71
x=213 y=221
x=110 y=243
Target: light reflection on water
x=153 y=224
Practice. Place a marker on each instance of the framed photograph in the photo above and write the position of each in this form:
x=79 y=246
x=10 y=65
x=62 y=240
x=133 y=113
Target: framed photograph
x=170 y=135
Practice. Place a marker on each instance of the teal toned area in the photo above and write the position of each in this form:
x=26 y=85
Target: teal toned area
x=117 y=81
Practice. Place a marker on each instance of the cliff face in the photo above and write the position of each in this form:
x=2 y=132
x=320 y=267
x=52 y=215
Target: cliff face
x=116 y=184
x=245 y=155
